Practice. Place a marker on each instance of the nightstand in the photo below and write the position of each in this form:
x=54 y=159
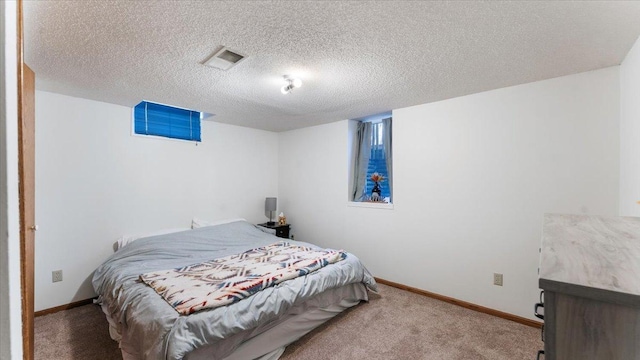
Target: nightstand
x=281 y=230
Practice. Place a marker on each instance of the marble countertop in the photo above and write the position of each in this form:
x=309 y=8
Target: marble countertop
x=592 y=251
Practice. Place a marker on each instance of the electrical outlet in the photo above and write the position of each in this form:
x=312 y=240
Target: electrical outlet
x=56 y=276
x=497 y=279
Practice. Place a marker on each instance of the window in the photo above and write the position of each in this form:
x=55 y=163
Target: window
x=166 y=121
x=372 y=160
x=377 y=162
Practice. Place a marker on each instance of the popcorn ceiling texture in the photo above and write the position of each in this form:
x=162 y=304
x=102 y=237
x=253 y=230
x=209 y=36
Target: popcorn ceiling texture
x=355 y=58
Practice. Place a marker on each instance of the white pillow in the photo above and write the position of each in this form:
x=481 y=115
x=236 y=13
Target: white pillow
x=197 y=223
x=127 y=239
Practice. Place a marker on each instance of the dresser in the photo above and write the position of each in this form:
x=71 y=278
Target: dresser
x=590 y=274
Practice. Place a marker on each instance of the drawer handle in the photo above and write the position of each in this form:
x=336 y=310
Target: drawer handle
x=542 y=333
x=535 y=311
x=542 y=296
x=540 y=352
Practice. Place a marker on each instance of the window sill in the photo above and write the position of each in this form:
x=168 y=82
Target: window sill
x=165 y=138
x=370 y=205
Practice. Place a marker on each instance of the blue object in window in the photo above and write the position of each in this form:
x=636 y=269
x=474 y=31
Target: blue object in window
x=378 y=164
x=167 y=121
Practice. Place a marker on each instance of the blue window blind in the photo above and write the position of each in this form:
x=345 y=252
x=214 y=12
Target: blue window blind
x=166 y=121
x=377 y=161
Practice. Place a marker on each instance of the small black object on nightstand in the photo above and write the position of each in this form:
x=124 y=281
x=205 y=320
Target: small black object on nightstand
x=281 y=230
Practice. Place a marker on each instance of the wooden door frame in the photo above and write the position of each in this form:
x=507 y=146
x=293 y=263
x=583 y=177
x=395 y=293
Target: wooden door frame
x=26 y=246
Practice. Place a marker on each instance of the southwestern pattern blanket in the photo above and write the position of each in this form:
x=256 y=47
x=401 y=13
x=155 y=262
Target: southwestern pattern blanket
x=232 y=278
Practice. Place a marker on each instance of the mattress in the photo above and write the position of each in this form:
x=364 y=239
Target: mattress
x=261 y=325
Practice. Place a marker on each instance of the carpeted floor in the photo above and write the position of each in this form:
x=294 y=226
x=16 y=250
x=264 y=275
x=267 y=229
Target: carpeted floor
x=395 y=324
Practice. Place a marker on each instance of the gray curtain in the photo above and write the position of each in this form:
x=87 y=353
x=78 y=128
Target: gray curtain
x=361 y=155
x=386 y=123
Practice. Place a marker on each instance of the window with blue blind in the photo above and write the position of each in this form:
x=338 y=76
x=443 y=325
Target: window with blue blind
x=377 y=161
x=371 y=178
x=166 y=121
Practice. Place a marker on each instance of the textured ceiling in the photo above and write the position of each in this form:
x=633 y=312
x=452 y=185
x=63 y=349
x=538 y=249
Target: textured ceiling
x=355 y=58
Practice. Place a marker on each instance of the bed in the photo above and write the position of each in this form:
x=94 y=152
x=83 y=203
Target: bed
x=257 y=327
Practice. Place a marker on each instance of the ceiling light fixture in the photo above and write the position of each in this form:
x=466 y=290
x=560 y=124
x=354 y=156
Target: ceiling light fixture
x=291 y=84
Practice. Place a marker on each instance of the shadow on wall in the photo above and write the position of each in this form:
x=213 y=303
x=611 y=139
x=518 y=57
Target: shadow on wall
x=86 y=284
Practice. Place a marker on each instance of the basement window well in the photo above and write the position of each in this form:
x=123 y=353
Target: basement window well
x=158 y=120
x=371 y=175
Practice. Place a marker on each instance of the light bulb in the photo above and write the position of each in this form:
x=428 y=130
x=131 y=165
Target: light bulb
x=291 y=84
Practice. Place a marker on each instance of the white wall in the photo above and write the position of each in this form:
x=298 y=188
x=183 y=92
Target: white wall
x=10 y=297
x=473 y=177
x=630 y=133
x=96 y=182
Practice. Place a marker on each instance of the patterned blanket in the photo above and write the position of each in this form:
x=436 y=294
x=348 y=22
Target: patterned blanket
x=232 y=278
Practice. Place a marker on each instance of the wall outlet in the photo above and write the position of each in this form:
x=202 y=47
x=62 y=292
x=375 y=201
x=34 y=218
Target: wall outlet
x=497 y=279
x=56 y=276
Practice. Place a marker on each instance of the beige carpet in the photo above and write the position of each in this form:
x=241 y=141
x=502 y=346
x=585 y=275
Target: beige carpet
x=394 y=325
